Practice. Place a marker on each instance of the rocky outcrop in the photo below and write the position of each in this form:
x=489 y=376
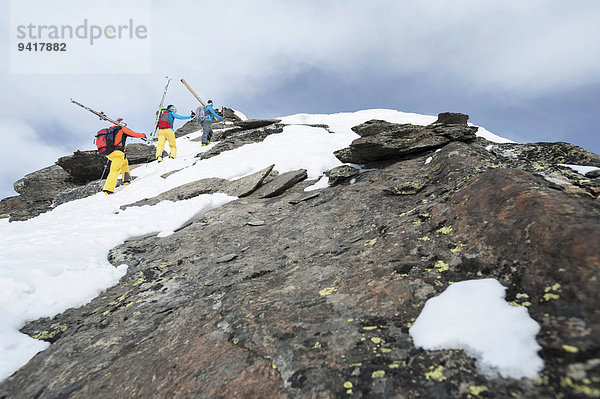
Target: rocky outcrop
x=190 y=126
x=400 y=141
x=312 y=294
x=229 y=114
x=242 y=187
x=280 y=183
x=37 y=191
x=231 y=138
x=255 y=123
x=341 y=174
x=451 y=118
x=84 y=166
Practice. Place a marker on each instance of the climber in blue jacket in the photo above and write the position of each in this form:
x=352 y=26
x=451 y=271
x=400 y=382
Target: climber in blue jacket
x=209 y=116
x=166 y=133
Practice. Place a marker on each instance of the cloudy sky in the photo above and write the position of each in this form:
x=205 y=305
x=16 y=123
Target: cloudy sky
x=527 y=70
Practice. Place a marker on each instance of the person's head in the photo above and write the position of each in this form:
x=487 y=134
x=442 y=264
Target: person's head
x=171 y=108
x=121 y=122
x=210 y=102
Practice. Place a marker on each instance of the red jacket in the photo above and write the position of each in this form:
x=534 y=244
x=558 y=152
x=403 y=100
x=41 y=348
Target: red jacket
x=121 y=137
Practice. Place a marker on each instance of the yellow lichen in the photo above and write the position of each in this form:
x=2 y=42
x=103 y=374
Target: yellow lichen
x=348 y=384
x=477 y=389
x=378 y=374
x=385 y=350
x=356 y=365
x=435 y=373
x=369 y=328
x=549 y=296
x=327 y=291
x=408 y=212
x=47 y=335
x=317 y=345
x=372 y=242
x=570 y=349
x=457 y=248
x=376 y=340
x=446 y=230
x=441 y=266
x=582 y=389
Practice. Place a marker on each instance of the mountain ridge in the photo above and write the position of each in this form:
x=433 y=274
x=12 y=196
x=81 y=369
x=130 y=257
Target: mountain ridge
x=312 y=294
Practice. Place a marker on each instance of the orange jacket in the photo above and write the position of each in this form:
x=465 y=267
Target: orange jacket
x=121 y=137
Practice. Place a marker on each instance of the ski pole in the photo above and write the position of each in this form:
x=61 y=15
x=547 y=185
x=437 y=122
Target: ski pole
x=105 y=166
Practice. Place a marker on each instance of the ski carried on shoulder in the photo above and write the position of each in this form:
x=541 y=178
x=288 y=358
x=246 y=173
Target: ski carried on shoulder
x=193 y=92
x=101 y=115
x=162 y=101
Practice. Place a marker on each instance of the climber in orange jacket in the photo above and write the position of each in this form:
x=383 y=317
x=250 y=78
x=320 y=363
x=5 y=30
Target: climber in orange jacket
x=119 y=164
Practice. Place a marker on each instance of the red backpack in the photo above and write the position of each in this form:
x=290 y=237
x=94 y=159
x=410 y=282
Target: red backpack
x=163 y=122
x=105 y=139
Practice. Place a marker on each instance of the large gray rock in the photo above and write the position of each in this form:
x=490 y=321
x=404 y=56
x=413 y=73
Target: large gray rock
x=593 y=173
x=44 y=184
x=139 y=153
x=84 y=166
x=383 y=141
x=341 y=174
x=231 y=115
x=237 y=188
x=452 y=118
x=72 y=194
x=186 y=191
x=280 y=183
x=190 y=126
x=246 y=185
x=255 y=123
x=231 y=139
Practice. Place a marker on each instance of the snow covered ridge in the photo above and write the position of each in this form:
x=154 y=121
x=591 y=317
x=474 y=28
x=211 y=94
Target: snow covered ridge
x=67 y=246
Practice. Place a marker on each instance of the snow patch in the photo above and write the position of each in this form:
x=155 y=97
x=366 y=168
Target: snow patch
x=473 y=315
x=581 y=169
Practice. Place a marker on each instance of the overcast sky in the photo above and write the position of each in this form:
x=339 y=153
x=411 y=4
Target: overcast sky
x=528 y=71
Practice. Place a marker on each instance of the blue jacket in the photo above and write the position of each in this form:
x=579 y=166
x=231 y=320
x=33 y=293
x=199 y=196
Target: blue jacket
x=211 y=114
x=173 y=116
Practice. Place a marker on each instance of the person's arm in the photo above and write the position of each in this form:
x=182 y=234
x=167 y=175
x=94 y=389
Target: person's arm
x=179 y=116
x=131 y=133
x=212 y=111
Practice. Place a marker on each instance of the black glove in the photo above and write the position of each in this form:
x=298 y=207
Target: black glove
x=192 y=114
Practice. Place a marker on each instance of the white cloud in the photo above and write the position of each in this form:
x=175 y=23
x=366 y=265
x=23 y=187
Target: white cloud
x=23 y=151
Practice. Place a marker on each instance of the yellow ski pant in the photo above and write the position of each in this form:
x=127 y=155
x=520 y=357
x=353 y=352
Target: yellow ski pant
x=119 y=165
x=166 y=135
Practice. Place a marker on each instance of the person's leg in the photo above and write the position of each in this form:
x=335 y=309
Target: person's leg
x=205 y=131
x=125 y=172
x=210 y=132
x=117 y=158
x=170 y=135
x=161 y=143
